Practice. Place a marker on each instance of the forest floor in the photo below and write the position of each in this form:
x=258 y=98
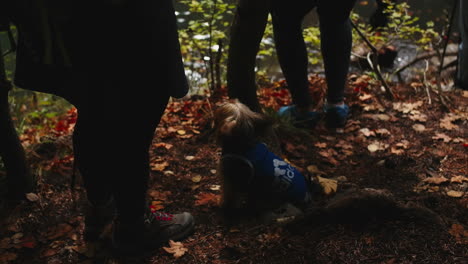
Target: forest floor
x=411 y=147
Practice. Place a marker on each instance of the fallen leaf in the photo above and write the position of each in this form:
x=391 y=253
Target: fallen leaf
x=376 y=146
x=406 y=107
x=418 y=117
x=442 y=136
x=208 y=199
x=156 y=206
x=366 y=132
x=329 y=186
x=465 y=94
x=436 y=180
x=181 y=132
x=459 y=232
x=458 y=179
x=59 y=231
x=169 y=173
x=5 y=243
x=382 y=132
x=446 y=122
x=176 y=249
x=455 y=194
x=32 y=197
x=314 y=170
x=163 y=145
x=320 y=145
x=16 y=237
x=215 y=187
x=213 y=171
x=159 y=166
x=88 y=249
x=419 y=127
x=7 y=257
x=48 y=252
x=196 y=178
x=365 y=97
x=189 y=157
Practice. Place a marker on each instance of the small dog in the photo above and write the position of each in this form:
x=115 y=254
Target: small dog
x=253 y=176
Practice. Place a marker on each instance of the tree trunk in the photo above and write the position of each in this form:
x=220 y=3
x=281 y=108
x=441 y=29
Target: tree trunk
x=19 y=177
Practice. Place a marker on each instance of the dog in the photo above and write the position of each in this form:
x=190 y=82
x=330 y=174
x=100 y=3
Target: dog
x=254 y=178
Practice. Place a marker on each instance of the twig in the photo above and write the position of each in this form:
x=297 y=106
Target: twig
x=420 y=58
x=372 y=59
x=425 y=82
x=442 y=57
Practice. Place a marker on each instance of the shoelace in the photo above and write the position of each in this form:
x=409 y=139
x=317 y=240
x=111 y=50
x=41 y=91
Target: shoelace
x=159 y=216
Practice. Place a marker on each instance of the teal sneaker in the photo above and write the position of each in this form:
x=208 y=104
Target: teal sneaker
x=301 y=120
x=336 y=116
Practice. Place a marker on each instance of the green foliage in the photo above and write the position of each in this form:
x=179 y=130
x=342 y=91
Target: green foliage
x=401 y=26
x=205 y=38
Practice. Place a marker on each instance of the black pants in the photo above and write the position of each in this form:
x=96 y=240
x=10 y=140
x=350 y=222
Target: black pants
x=112 y=138
x=336 y=41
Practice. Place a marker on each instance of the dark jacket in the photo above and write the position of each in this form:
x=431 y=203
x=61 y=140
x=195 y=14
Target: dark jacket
x=104 y=39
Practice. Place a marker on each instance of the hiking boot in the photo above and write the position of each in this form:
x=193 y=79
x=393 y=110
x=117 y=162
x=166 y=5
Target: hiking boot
x=301 y=120
x=336 y=116
x=151 y=232
x=97 y=217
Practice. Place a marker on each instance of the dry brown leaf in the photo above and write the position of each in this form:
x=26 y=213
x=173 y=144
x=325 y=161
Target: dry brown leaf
x=163 y=145
x=382 y=132
x=314 y=170
x=197 y=178
x=366 y=132
x=442 y=136
x=7 y=257
x=446 y=122
x=376 y=146
x=436 y=180
x=406 y=107
x=5 y=243
x=365 y=97
x=159 y=166
x=465 y=94
x=59 y=231
x=455 y=194
x=329 y=186
x=157 y=206
x=459 y=232
x=160 y=195
x=88 y=249
x=215 y=187
x=49 y=252
x=418 y=117
x=208 y=199
x=458 y=179
x=419 y=127
x=176 y=249
x=189 y=157
x=181 y=132
x=320 y=145
x=32 y=197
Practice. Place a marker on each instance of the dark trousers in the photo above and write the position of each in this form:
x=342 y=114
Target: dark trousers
x=336 y=41
x=112 y=138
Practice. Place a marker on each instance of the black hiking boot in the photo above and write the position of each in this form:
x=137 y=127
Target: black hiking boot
x=129 y=238
x=97 y=217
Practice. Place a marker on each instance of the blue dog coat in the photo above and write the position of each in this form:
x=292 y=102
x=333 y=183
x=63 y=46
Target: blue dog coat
x=282 y=178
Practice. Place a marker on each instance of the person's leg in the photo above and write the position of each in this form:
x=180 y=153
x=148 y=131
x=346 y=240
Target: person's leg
x=291 y=49
x=336 y=41
x=462 y=76
x=246 y=34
